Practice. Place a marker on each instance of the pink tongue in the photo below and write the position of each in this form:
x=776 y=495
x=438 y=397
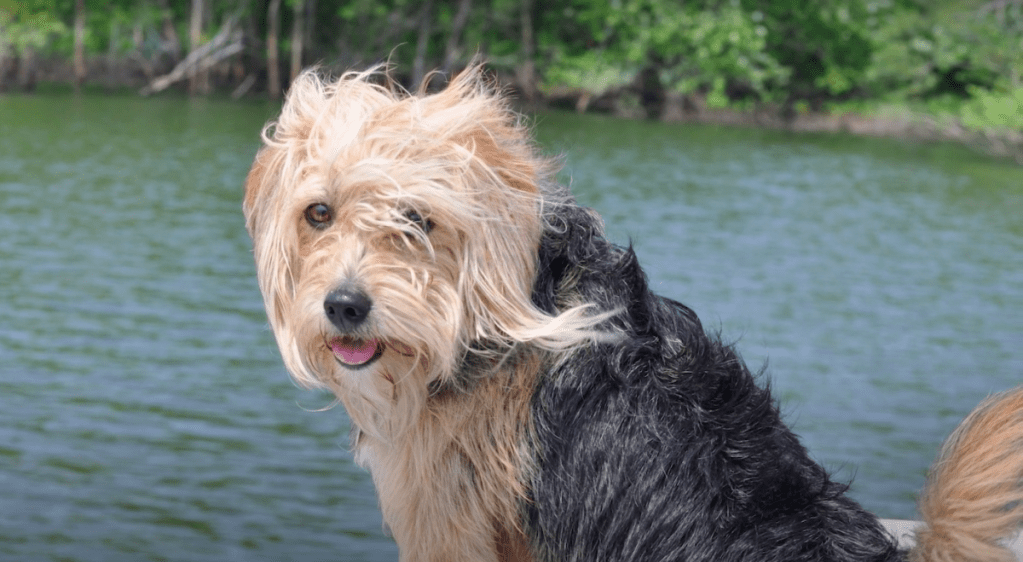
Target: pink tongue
x=354 y=352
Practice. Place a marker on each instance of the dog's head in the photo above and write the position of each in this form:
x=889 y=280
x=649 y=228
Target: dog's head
x=393 y=233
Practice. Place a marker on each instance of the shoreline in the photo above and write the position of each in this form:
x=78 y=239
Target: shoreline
x=885 y=122
x=904 y=126
x=623 y=103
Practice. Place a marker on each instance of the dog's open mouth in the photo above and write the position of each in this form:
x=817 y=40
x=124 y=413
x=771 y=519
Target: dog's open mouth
x=356 y=353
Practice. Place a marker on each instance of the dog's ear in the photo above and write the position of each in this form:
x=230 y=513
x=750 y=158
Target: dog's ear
x=499 y=272
x=254 y=187
x=498 y=136
x=501 y=230
x=501 y=247
x=273 y=243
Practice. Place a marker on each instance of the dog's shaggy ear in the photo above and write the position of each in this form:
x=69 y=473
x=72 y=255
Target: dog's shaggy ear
x=254 y=191
x=502 y=240
x=273 y=244
x=501 y=140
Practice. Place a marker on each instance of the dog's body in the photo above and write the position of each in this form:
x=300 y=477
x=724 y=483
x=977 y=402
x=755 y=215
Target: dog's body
x=517 y=391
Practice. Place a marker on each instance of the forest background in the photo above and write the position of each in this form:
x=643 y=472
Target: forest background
x=936 y=69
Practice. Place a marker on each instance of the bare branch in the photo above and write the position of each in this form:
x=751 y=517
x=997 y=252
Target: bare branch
x=227 y=42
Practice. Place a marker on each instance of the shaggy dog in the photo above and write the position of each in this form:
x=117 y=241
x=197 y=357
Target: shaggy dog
x=516 y=390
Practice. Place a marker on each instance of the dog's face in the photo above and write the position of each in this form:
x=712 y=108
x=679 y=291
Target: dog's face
x=392 y=233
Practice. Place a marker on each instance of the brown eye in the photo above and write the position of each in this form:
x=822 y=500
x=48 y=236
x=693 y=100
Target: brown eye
x=426 y=225
x=318 y=215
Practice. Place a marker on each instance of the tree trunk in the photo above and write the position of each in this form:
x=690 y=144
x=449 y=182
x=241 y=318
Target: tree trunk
x=79 y=44
x=455 y=37
x=5 y=62
x=196 y=80
x=115 y=38
x=273 y=24
x=225 y=44
x=526 y=71
x=170 y=34
x=310 y=23
x=422 y=42
x=27 y=69
x=297 y=37
x=138 y=36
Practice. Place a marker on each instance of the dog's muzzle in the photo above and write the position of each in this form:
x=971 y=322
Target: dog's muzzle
x=347 y=308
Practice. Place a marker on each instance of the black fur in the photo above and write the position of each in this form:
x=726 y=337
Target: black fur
x=663 y=446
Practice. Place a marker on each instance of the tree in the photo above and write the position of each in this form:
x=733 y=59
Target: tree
x=273 y=66
x=455 y=34
x=79 y=44
x=422 y=42
x=525 y=72
x=297 y=37
x=26 y=28
x=198 y=80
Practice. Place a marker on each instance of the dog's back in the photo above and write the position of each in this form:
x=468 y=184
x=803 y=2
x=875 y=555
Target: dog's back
x=661 y=446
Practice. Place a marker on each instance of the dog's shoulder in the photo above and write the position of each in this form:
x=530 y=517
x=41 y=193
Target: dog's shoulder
x=656 y=337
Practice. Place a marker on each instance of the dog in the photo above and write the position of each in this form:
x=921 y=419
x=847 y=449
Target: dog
x=516 y=390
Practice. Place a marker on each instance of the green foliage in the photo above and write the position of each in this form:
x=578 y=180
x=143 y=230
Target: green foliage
x=706 y=49
x=961 y=58
x=992 y=111
x=823 y=43
x=30 y=24
x=920 y=55
x=591 y=71
x=693 y=46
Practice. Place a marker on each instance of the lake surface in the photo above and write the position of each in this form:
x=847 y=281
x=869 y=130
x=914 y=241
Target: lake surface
x=145 y=414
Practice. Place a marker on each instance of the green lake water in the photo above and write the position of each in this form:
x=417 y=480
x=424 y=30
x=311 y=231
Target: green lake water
x=145 y=414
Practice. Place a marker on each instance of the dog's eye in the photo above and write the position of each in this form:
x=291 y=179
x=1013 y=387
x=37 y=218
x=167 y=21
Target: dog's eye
x=318 y=215
x=426 y=225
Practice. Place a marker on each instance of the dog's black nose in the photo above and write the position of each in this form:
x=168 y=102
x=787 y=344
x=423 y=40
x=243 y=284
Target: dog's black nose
x=347 y=307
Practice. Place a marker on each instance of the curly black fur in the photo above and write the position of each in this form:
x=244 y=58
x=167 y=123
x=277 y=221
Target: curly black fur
x=662 y=446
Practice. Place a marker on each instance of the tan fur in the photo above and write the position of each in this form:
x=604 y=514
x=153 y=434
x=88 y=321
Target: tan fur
x=459 y=472
x=974 y=494
x=449 y=465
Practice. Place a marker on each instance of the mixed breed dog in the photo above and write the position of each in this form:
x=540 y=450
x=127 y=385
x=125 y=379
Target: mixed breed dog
x=516 y=390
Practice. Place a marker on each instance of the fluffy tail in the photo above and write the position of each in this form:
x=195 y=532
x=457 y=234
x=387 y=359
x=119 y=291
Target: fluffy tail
x=973 y=499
